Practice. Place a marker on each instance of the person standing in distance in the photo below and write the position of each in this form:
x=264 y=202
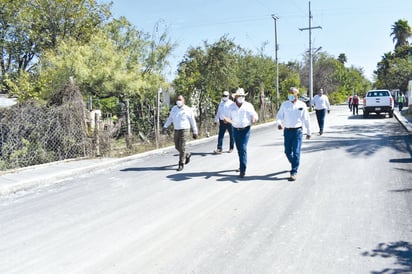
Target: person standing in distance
x=292 y=115
x=241 y=115
x=401 y=100
x=224 y=126
x=355 y=104
x=182 y=118
x=322 y=105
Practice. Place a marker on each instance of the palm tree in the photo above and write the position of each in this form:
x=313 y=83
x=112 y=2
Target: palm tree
x=401 y=31
x=342 y=58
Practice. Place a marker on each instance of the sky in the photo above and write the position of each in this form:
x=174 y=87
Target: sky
x=358 y=28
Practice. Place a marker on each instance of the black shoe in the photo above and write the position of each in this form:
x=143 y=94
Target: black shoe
x=241 y=175
x=321 y=132
x=188 y=155
x=180 y=168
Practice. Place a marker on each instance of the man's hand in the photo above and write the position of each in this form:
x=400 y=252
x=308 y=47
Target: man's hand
x=307 y=136
x=227 y=120
x=195 y=136
x=164 y=131
x=280 y=127
x=328 y=111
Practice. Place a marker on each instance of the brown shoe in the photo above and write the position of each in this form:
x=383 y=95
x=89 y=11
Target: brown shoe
x=292 y=177
x=230 y=150
x=217 y=151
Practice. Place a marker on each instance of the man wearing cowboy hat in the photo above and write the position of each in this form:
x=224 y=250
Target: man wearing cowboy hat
x=241 y=115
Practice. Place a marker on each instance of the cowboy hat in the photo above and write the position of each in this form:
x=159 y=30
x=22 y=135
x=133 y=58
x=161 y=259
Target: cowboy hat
x=239 y=92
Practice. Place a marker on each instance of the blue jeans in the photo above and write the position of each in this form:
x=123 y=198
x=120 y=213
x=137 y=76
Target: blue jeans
x=293 y=143
x=241 y=137
x=222 y=130
x=320 y=116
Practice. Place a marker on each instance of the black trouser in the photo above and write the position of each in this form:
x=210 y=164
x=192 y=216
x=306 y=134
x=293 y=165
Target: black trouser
x=355 y=108
x=400 y=105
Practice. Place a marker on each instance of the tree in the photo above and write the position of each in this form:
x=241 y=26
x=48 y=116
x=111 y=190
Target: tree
x=401 y=31
x=342 y=58
x=393 y=73
x=205 y=73
x=28 y=28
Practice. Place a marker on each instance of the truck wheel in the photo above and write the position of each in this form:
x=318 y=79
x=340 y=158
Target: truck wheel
x=365 y=114
x=390 y=114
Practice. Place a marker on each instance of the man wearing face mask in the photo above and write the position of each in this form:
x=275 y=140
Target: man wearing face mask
x=224 y=126
x=182 y=118
x=322 y=105
x=291 y=117
x=241 y=115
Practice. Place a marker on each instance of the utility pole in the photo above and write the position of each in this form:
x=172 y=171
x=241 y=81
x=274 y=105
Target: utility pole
x=310 y=56
x=275 y=18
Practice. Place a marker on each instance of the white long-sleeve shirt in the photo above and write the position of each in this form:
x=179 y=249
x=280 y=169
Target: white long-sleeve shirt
x=293 y=115
x=242 y=116
x=222 y=110
x=321 y=102
x=182 y=118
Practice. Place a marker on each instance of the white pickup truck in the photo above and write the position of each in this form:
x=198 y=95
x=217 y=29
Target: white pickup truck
x=378 y=101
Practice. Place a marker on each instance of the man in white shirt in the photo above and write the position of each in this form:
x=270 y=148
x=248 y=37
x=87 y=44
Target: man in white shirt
x=182 y=118
x=241 y=115
x=291 y=117
x=224 y=126
x=321 y=103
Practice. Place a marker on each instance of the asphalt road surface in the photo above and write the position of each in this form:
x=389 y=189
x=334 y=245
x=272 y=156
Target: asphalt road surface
x=348 y=212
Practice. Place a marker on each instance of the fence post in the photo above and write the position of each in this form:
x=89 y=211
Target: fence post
x=96 y=133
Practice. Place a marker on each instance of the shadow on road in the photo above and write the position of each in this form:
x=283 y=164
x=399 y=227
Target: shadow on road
x=402 y=190
x=400 y=251
x=228 y=176
x=365 y=142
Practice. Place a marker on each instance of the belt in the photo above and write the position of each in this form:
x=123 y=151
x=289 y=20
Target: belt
x=241 y=128
x=293 y=128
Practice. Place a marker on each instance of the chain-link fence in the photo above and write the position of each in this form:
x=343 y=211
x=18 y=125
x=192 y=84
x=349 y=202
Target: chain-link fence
x=33 y=133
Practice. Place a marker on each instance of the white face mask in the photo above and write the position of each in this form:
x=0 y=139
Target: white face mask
x=240 y=100
x=179 y=103
x=291 y=97
x=224 y=99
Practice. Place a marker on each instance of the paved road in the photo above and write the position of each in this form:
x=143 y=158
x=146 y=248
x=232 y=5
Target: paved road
x=348 y=212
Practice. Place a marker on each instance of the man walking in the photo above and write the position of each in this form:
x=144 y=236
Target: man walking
x=182 y=118
x=291 y=116
x=224 y=126
x=241 y=115
x=321 y=103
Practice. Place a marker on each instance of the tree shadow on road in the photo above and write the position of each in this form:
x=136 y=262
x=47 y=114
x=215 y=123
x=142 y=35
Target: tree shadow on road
x=228 y=176
x=401 y=251
x=365 y=142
